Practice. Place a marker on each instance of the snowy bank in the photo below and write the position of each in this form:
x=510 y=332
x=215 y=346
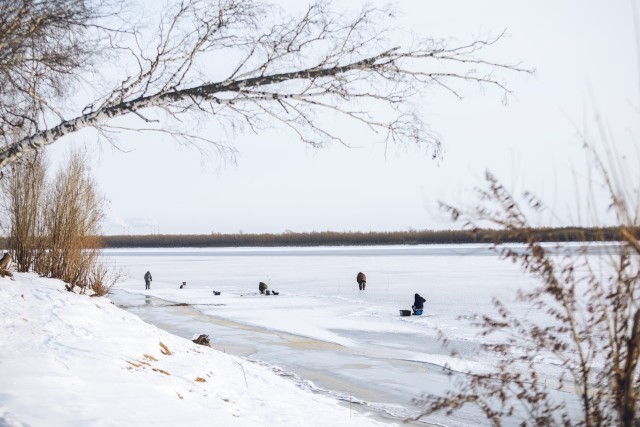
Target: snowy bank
x=71 y=360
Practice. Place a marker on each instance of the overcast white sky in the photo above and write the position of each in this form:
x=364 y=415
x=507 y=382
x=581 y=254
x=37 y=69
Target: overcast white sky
x=586 y=60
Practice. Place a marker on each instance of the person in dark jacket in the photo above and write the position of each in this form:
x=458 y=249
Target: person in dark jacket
x=362 y=280
x=147 y=280
x=418 y=303
x=262 y=287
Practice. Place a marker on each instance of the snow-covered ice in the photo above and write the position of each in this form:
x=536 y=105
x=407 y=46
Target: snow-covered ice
x=381 y=357
x=319 y=297
x=320 y=353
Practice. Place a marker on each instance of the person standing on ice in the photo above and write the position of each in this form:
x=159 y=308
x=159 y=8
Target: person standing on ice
x=362 y=281
x=147 y=280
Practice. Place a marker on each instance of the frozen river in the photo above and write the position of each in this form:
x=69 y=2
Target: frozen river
x=321 y=329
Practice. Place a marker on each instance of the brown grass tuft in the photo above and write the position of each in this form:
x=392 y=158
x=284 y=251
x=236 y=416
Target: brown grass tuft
x=164 y=349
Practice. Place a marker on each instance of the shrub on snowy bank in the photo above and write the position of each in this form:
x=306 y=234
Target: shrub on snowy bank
x=52 y=226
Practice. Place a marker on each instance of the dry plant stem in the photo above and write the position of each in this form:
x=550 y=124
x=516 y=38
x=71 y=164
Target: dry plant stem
x=244 y=374
x=592 y=329
x=287 y=70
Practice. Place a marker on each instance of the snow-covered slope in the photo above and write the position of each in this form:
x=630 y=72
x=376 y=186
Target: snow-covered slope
x=71 y=360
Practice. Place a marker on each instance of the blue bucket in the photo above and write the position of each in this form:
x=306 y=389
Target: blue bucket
x=418 y=312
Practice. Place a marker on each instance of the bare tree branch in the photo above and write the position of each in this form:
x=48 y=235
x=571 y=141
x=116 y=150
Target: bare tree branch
x=246 y=63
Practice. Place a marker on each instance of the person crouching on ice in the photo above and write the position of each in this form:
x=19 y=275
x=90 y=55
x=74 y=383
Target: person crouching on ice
x=262 y=287
x=418 y=303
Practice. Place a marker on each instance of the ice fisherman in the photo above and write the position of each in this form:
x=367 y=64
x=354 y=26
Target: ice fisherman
x=362 y=280
x=418 y=303
x=262 y=287
x=147 y=280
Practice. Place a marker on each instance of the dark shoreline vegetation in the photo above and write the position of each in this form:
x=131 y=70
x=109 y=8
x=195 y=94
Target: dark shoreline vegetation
x=330 y=238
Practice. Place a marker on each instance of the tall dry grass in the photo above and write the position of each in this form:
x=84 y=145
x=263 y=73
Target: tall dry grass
x=589 y=326
x=23 y=188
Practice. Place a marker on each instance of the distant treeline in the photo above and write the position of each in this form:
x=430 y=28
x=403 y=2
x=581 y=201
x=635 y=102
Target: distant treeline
x=330 y=238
